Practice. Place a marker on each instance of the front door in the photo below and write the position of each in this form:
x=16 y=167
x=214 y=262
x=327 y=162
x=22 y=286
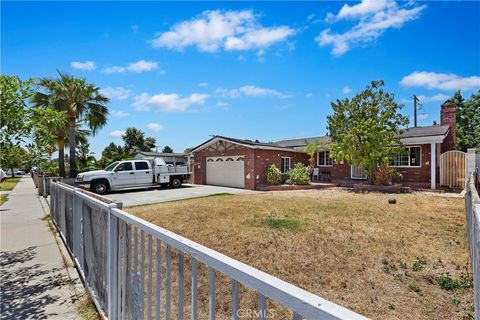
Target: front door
x=358 y=172
x=123 y=175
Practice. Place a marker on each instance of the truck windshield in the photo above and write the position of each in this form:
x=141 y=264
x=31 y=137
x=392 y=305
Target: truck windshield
x=111 y=166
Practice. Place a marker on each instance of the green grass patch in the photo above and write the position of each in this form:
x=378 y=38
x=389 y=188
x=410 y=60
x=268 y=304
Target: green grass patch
x=87 y=309
x=277 y=223
x=414 y=287
x=448 y=283
x=3 y=198
x=9 y=184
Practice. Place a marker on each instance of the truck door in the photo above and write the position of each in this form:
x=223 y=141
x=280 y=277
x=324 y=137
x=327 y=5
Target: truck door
x=143 y=173
x=124 y=175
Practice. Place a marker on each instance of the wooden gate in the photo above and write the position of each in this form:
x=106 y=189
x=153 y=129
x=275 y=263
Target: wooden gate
x=453 y=169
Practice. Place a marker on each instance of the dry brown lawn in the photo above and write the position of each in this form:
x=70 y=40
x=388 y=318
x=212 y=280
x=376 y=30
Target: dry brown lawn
x=378 y=259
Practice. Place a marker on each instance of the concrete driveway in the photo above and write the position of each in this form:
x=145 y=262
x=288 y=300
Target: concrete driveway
x=187 y=191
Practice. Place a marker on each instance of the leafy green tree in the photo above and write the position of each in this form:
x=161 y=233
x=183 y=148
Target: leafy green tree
x=365 y=128
x=85 y=158
x=13 y=157
x=188 y=150
x=111 y=153
x=14 y=119
x=82 y=102
x=149 y=143
x=135 y=141
x=167 y=149
x=468 y=121
x=14 y=96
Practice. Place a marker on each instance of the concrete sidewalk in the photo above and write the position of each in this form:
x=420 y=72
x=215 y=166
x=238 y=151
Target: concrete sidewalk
x=34 y=281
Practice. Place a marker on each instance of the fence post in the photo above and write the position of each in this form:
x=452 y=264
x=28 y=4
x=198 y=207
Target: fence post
x=77 y=227
x=112 y=262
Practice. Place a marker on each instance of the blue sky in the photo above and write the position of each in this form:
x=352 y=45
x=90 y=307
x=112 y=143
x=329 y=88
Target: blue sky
x=257 y=70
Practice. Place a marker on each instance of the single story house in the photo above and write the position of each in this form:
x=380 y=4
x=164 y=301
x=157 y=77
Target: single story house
x=239 y=163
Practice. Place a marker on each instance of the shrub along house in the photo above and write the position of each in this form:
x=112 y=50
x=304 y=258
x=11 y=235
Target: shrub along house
x=240 y=163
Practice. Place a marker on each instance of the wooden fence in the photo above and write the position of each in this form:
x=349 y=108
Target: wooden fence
x=453 y=169
x=134 y=269
x=472 y=211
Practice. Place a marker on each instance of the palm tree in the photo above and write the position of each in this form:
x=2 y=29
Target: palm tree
x=82 y=102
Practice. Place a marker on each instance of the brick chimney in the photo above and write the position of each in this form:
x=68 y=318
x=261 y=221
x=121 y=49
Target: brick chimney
x=448 y=116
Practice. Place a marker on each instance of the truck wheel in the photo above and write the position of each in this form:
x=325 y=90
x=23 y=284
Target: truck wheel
x=100 y=187
x=176 y=182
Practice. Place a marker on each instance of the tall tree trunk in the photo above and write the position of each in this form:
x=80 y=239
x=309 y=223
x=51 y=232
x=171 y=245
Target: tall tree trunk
x=61 y=157
x=72 y=147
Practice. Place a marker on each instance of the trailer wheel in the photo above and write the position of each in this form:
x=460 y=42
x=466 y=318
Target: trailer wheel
x=176 y=182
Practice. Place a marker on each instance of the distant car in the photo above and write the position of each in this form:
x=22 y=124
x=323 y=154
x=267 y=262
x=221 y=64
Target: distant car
x=3 y=175
x=20 y=173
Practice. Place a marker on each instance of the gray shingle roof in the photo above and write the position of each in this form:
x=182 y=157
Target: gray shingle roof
x=289 y=144
x=292 y=143
x=157 y=154
x=427 y=131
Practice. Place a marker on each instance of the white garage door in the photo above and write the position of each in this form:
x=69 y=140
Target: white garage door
x=226 y=171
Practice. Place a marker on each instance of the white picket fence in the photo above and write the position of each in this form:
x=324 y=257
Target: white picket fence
x=119 y=257
x=472 y=211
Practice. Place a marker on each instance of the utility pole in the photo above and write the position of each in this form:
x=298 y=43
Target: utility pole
x=415 y=100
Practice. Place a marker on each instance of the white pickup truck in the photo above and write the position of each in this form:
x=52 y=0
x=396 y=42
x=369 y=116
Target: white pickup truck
x=133 y=174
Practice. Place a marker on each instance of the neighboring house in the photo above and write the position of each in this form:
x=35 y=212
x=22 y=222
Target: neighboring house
x=240 y=163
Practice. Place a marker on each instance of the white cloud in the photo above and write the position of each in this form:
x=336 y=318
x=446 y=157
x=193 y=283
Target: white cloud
x=116 y=93
x=84 y=66
x=142 y=66
x=137 y=67
x=228 y=30
x=222 y=104
x=154 y=126
x=441 y=81
x=363 y=8
x=346 y=90
x=250 y=91
x=203 y=84
x=114 y=69
x=116 y=134
x=435 y=97
x=167 y=102
x=241 y=58
x=118 y=114
x=374 y=18
x=309 y=95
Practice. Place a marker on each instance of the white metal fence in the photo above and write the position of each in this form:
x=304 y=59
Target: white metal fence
x=134 y=270
x=472 y=210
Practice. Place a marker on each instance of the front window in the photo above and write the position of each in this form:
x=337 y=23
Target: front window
x=324 y=160
x=408 y=158
x=111 y=166
x=285 y=166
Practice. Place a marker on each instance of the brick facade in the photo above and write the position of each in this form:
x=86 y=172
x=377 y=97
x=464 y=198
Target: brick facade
x=448 y=116
x=258 y=160
x=256 y=163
